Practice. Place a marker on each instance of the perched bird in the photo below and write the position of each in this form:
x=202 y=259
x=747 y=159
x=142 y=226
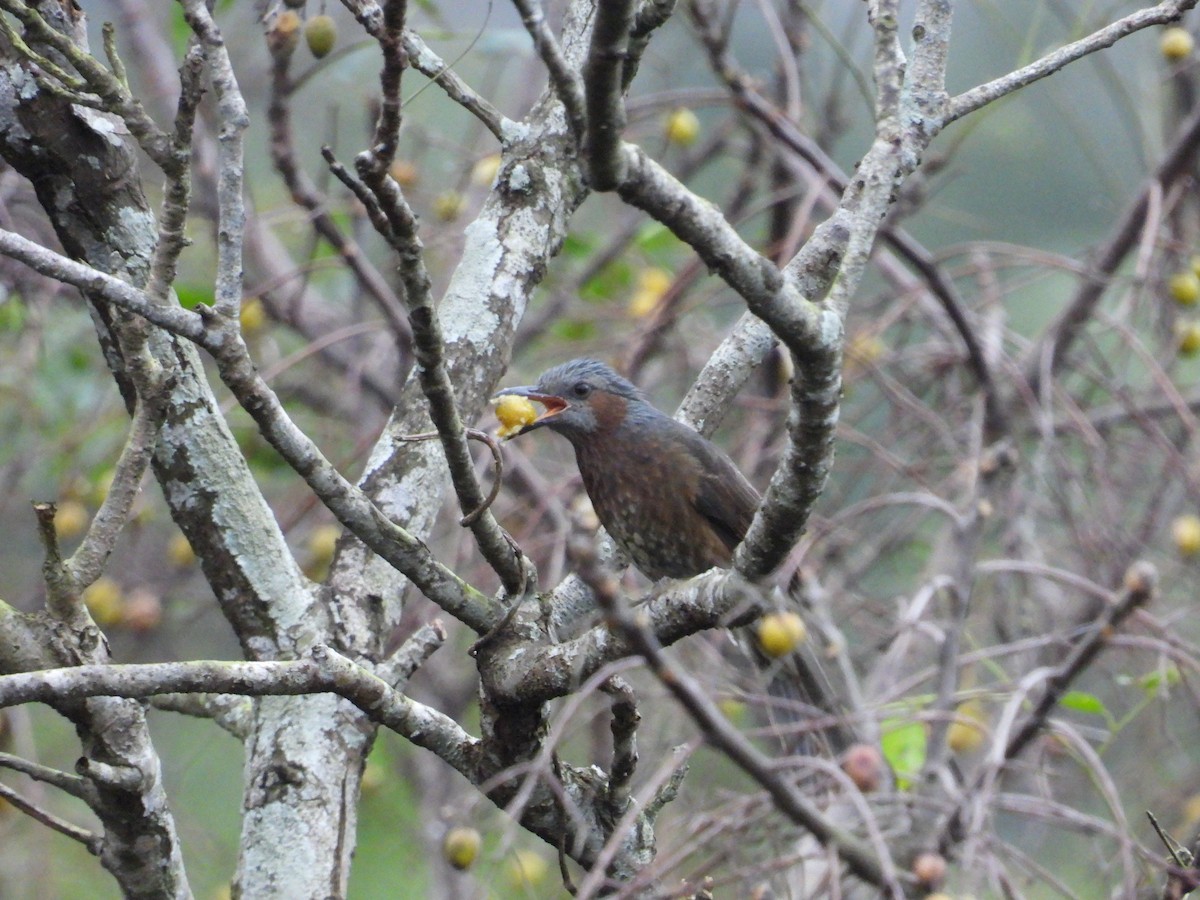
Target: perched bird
x=670 y=499
x=674 y=502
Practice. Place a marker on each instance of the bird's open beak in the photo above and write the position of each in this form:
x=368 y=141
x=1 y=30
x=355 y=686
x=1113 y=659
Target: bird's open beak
x=551 y=405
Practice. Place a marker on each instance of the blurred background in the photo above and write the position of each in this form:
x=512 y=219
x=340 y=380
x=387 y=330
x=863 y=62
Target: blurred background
x=1010 y=206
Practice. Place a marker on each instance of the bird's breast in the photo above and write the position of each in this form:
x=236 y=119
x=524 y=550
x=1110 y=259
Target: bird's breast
x=644 y=489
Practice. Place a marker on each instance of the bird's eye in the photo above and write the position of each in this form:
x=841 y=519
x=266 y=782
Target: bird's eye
x=581 y=389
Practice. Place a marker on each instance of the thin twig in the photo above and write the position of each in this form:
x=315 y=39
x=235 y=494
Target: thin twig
x=64 y=781
x=565 y=81
x=718 y=731
x=92 y=841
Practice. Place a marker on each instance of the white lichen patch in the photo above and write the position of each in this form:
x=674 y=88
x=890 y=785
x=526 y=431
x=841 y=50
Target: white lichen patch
x=106 y=125
x=519 y=179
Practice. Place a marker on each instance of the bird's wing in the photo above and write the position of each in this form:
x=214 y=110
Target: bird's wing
x=723 y=495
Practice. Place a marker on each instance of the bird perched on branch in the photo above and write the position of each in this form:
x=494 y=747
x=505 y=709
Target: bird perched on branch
x=673 y=501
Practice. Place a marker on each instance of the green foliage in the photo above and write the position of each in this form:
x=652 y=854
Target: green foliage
x=574 y=329
x=192 y=295
x=904 y=742
x=1082 y=701
x=12 y=314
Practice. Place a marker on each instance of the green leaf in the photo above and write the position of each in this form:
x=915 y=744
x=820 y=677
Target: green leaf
x=1152 y=682
x=656 y=238
x=577 y=246
x=574 y=329
x=192 y=295
x=12 y=314
x=613 y=280
x=1083 y=702
x=904 y=747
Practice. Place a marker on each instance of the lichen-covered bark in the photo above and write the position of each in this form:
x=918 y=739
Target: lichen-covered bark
x=83 y=167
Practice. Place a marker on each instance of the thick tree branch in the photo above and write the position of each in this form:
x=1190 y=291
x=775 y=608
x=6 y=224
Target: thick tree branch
x=323 y=671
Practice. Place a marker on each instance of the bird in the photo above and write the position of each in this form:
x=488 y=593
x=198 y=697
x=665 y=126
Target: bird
x=670 y=498
x=673 y=501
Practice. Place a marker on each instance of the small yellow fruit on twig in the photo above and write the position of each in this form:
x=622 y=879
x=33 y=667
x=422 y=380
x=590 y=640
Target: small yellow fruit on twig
x=514 y=413
x=320 y=34
x=405 y=172
x=1188 y=336
x=780 y=633
x=483 y=173
x=460 y=847
x=284 y=34
x=1184 y=287
x=1185 y=531
x=683 y=126
x=179 y=550
x=1176 y=43
x=105 y=601
x=965 y=733
x=253 y=316
x=652 y=285
x=322 y=541
x=448 y=205
x=525 y=870
x=70 y=518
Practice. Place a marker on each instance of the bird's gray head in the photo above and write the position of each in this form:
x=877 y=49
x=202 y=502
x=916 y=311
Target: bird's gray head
x=580 y=397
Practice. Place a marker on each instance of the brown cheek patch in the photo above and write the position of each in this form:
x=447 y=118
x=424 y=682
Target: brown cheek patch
x=609 y=410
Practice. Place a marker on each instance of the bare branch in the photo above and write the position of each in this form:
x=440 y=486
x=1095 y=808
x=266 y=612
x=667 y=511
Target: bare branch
x=324 y=671
x=92 y=841
x=604 y=80
x=718 y=731
x=565 y=81
x=978 y=97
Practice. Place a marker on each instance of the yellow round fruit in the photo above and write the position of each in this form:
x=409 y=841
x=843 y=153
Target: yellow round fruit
x=864 y=348
x=525 y=870
x=322 y=541
x=104 y=601
x=460 y=847
x=1176 y=43
x=70 y=518
x=448 y=205
x=652 y=284
x=966 y=733
x=284 y=35
x=1185 y=531
x=374 y=776
x=253 y=316
x=514 y=413
x=404 y=172
x=320 y=34
x=1187 y=335
x=179 y=550
x=484 y=172
x=780 y=633
x=683 y=126
x=1184 y=287
x=732 y=709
